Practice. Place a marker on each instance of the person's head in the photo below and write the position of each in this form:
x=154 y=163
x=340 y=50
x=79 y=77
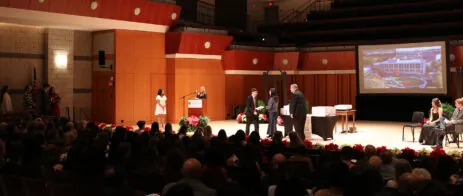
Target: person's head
x=272 y=92
x=254 y=137
x=52 y=90
x=369 y=151
x=222 y=135
x=28 y=88
x=254 y=92
x=208 y=131
x=421 y=174
x=168 y=128
x=161 y=92
x=4 y=89
x=402 y=166
x=436 y=103
x=407 y=182
x=293 y=88
x=154 y=128
x=141 y=124
x=293 y=138
x=386 y=157
x=192 y=169
x=459 y=103
x=46 y=87
x=347 y=153
x=278 y=159
x=202 y=89
x=277 y=136
x=374 y=161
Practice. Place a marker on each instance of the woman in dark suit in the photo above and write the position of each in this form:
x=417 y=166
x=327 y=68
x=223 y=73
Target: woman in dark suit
x=272 y=112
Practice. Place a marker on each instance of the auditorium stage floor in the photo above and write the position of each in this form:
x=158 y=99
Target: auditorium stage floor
x=387 y=134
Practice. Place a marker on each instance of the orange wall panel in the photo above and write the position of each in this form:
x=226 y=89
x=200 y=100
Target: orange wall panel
x=142 y=96
x=243 y=60
x=186 y=75
x=341 y=60
x=158 y=81
x=291 y=58
x=124 y=98
x=140 y=72
x=144 y=42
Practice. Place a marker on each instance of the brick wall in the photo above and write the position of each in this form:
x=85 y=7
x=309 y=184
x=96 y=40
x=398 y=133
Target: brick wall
x=21 y=50
x=61 y=42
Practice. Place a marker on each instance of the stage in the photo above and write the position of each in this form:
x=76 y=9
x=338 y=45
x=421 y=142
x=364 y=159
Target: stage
x=377 y=133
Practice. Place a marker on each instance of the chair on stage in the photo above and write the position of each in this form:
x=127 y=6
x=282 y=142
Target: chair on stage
x=417 y=121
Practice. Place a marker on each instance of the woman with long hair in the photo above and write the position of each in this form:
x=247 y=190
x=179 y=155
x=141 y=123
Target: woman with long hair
x=5 y=101
x=435 y=115
x=272 y=112
x=55 y=100
x=161 y=108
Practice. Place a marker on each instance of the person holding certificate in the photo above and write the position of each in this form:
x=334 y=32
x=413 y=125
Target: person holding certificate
x=252 y=116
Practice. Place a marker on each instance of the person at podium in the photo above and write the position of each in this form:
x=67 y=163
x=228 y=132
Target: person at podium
x=202 y=93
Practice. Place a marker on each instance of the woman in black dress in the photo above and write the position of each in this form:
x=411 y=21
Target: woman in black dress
x=435 y=114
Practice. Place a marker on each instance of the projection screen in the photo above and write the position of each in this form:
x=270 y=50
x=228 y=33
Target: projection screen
x=412 y=68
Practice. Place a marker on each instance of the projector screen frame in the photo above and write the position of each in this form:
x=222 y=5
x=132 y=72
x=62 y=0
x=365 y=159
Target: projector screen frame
x=447 y=81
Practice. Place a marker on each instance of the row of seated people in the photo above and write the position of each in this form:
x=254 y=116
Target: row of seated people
x=439 y=124
x=101 y=162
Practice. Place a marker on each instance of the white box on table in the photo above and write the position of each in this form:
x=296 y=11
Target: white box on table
x=323 y=111
x=343 y=107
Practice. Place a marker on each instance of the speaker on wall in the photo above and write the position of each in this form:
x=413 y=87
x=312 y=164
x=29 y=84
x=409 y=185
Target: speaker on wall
x=101 y=57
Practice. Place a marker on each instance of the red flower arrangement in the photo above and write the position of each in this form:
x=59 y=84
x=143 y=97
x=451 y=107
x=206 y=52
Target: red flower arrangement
x=438 y=152
x=147 y=129
x=380 y=150
x=284 y=142
x=331 y=147
x=193 y=120
x=279 y=121
x=308 y=144
x=265 y=141
x=409 y=152
x=358 y=147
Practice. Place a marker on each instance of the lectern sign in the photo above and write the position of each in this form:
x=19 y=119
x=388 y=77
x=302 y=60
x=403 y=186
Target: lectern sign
x=196 y=107
x=195 y=103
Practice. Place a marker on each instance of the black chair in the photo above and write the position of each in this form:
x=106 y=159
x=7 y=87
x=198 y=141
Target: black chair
x=417 y=121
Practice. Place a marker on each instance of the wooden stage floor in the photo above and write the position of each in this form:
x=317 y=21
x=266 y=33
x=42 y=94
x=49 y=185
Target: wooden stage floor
x=387 y=134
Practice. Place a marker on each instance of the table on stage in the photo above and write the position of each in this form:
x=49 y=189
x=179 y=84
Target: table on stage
x=345 y=120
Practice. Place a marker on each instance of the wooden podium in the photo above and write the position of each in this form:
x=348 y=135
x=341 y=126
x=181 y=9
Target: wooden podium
x=197 y=107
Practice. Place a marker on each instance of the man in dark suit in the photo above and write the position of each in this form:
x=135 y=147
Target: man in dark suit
x=45 y=106
x=297 y=110
x=457 y=118
x=252 y=116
